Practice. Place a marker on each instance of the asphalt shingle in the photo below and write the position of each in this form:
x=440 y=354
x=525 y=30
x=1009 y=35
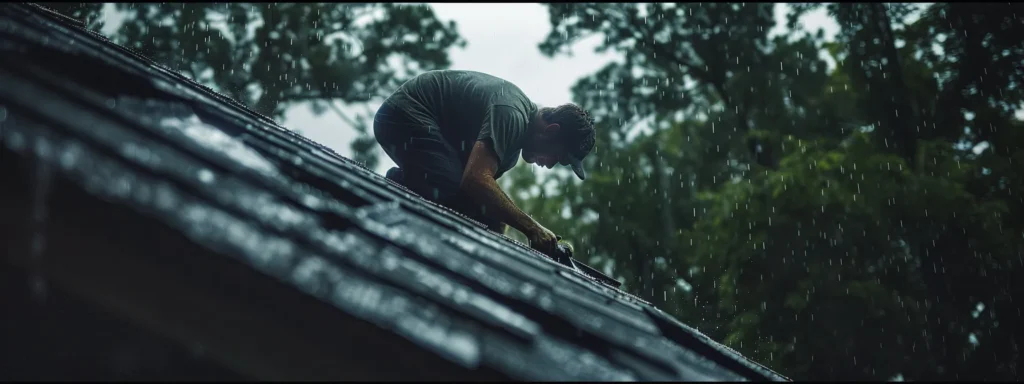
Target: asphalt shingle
x=266 y=200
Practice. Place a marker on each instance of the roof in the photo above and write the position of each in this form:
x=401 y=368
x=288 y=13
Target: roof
x=183 y=212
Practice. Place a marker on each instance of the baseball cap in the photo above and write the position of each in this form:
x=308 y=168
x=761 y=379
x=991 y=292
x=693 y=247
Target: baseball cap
x=578 y=144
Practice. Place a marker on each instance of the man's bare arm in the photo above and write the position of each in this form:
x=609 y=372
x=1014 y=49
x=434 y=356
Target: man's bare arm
x=478 y=181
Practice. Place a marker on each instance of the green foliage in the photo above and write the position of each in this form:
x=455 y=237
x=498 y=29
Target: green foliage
x=833 y=226
x=857 y=223
x=272 y=55
x=854 y=223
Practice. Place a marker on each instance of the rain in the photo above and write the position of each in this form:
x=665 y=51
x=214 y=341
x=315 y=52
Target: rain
x=828 y=189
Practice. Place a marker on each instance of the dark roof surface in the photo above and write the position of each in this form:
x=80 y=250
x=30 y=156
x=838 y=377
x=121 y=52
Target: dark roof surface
x=232 y=202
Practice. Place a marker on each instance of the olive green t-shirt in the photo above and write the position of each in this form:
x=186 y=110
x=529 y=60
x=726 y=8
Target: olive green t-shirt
x=468 y=106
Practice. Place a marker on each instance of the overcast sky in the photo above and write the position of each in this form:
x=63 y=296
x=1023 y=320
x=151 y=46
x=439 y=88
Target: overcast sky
x=501 y=39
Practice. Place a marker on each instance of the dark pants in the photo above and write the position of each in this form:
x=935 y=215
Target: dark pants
x=431 y=167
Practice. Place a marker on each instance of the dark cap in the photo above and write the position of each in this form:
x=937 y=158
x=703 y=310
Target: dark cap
x=579 y=143
x=576 y=133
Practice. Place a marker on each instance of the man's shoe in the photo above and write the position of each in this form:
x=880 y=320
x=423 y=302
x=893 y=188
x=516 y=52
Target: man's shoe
x=395 y=174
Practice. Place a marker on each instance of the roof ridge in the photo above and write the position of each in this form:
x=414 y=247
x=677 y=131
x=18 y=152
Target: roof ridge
x=260 y=118
x=591 y=305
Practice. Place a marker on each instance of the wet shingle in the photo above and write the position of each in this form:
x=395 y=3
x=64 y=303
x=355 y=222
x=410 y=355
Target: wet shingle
x=235 y=183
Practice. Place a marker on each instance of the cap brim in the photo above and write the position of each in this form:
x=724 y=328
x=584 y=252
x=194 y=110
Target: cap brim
x=577 y=167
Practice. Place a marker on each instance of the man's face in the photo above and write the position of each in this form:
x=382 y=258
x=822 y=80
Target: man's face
x=543 y=149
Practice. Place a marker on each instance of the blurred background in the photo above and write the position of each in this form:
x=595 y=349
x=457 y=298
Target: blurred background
x=827 y=188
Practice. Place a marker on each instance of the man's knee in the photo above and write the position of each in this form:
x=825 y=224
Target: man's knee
x=388 y=133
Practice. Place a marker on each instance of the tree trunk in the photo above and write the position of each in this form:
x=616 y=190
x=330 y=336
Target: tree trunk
x=902 y=120
x=667 y=222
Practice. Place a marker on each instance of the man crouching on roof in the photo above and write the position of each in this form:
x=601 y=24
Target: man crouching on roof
x=454 y=133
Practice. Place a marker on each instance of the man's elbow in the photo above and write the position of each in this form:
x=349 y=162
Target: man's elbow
x=472 y=184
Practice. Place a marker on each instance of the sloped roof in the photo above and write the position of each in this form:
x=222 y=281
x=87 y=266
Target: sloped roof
x=208 y=223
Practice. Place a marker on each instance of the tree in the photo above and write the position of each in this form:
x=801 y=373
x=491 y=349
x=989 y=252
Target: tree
x=844 y=224
x=269 y=56
x=708 y=69
x=945 y=90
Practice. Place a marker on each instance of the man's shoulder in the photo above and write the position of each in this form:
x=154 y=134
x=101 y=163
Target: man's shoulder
x=506 y=92
x=509 y=109
x=457 y=75
x=514 y=98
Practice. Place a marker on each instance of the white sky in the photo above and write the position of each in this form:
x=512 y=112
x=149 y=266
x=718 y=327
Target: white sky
x=501 y=39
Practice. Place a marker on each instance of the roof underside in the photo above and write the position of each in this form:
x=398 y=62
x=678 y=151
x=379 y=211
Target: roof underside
x=170 y=207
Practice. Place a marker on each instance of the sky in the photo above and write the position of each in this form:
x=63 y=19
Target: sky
x=502 y=40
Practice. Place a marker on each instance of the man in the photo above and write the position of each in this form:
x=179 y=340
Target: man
x=454 y=133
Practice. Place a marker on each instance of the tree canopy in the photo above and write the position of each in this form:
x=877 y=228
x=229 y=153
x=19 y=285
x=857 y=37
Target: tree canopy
x=270 y=56
x=836 y=208
x=853 y=222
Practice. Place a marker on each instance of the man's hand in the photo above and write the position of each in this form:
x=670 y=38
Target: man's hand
x=542 y=239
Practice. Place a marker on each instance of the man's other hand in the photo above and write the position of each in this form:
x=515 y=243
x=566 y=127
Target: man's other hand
x=542 y=239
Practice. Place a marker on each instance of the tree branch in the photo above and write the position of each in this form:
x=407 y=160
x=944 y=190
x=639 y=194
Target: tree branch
x=340 y=113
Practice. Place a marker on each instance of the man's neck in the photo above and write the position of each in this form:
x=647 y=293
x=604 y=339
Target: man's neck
x=536 y=123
